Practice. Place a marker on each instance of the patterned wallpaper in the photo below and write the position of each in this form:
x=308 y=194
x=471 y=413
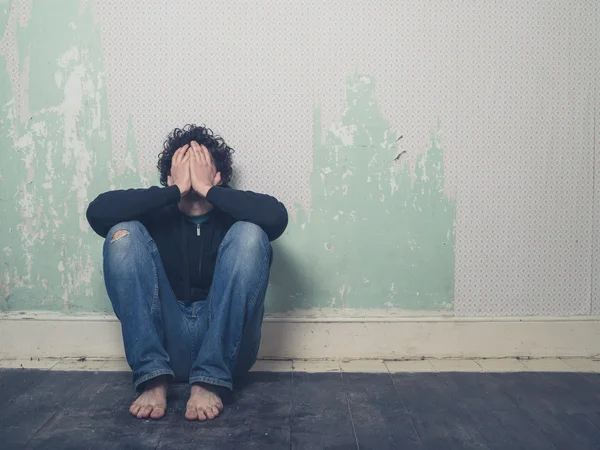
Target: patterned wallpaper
x=512 y=83
x=527 y=78
x=596 y=223
x=509 y=88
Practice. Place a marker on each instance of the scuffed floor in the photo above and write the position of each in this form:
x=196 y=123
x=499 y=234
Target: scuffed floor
x=344 y=409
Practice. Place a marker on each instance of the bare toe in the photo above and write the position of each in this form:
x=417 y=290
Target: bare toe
x=215 y=411
x=191 y=414
x=201 y=414
x=153 y=401
x=209 y=413
x=145 y=412
x=158 y=412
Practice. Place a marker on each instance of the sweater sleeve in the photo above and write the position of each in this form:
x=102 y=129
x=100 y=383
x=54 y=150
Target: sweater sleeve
x=114 y=207
x=260 y=209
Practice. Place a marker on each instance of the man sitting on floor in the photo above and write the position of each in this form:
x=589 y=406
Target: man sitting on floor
x=186 y=268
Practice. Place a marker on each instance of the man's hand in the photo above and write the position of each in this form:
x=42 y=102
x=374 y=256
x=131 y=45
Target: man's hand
x=180 y=170
x=204 y=172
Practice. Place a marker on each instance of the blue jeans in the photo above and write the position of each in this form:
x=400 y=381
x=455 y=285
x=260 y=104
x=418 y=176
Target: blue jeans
x=208 y=341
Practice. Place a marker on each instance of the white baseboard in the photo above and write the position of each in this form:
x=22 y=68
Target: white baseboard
x=49 y=335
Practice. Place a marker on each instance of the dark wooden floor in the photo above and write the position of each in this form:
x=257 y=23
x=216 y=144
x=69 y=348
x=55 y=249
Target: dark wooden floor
x=86 y=410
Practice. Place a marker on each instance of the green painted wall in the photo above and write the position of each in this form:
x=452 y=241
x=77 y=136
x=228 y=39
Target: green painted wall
x=56 y=155
x=377 y=235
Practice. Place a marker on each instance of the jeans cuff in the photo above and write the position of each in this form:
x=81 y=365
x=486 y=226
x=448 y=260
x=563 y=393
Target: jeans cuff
x=213 y=381
x=156 y=373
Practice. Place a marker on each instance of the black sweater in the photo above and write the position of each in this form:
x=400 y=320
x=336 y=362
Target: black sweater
x=189 y=260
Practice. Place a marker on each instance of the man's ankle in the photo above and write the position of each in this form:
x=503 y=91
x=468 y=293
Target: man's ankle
x=159 y=381
x=204 y=386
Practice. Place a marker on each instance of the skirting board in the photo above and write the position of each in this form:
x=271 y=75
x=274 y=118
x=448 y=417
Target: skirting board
x=47 y=335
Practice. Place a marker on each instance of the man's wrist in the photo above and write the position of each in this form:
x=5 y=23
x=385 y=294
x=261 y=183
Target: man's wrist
x=174 y=194
x=203 y=190
x=181 y=191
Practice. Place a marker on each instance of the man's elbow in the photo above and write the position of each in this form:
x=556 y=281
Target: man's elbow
x=278 y=223
x=95 y=220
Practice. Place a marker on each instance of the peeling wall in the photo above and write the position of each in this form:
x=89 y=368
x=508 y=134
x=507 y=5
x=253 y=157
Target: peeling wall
x=380 y=231
x=56 y=153
x=436 y=157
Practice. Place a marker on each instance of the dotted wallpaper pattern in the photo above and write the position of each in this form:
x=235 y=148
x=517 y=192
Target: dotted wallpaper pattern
x=512 y=84
x=596 y=223
x=524 y=129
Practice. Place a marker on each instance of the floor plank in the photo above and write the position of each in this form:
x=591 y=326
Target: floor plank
x=100 y=429
x=454 y=410
x=27 y=412
x=380 y=418
x=544 y=398
x=583 y=427
x=259 y=416
x=320 y=414
x=496 y=416
x=440 y=421
x=14 y=382
x=556 y=392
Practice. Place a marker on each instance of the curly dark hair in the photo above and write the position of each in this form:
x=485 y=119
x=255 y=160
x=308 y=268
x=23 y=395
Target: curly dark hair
x=219 y=150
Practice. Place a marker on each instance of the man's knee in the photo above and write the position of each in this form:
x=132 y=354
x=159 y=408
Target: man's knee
x=118 y=235
x=248 y=237
x=121 y=243
x=123 y=229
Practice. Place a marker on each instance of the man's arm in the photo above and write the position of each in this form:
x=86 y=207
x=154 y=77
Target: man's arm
x=113 y=207
x=260 y=209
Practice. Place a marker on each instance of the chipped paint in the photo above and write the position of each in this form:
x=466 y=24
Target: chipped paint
x=379 y=234
x=56 y=136
x=380 y=230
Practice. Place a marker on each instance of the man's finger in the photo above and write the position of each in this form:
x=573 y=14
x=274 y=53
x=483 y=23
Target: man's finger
x=193 y=155
x=200 y=154
x=195 y=147
x=175 y=155
x=196 y=151
x=206 y=154
x=179 y=153
x=184 y=151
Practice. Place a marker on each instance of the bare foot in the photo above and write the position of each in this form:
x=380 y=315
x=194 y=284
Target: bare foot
x=153 y=401
x=204 y=403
